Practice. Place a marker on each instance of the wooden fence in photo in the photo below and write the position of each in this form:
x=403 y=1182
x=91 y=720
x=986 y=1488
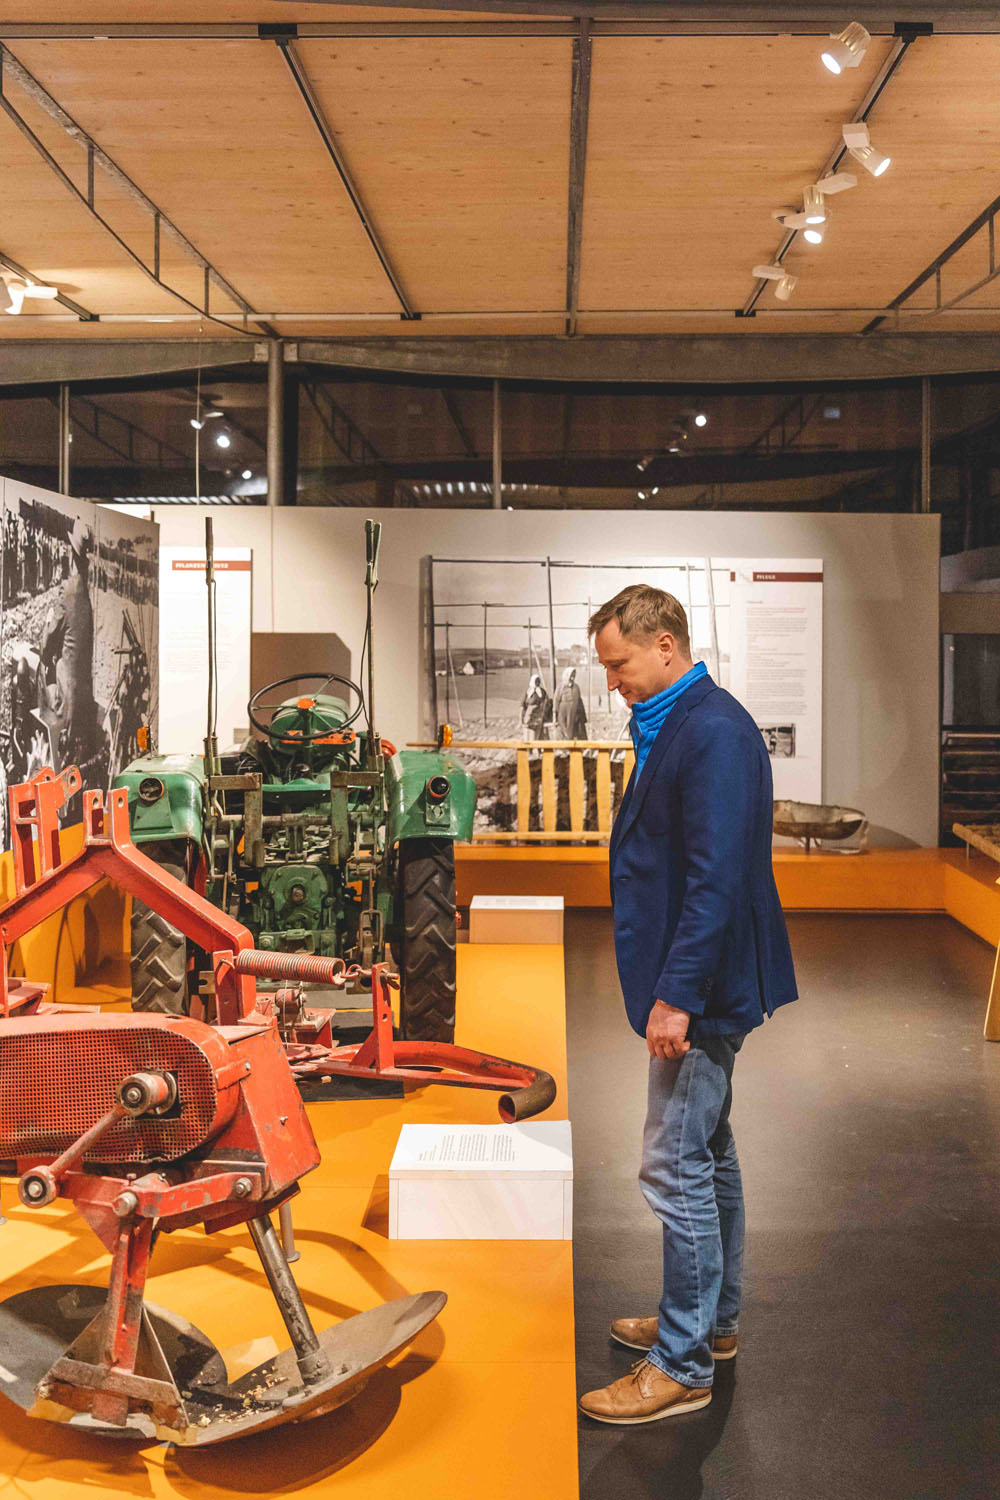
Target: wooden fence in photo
x=527 y=750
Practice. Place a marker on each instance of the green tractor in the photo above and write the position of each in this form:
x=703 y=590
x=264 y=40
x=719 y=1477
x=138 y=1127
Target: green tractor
x=317 y=836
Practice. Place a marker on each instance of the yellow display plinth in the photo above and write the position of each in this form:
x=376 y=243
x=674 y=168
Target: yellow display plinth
x=480 y=1407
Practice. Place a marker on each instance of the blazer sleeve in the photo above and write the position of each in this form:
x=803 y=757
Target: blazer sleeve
x=718 y=793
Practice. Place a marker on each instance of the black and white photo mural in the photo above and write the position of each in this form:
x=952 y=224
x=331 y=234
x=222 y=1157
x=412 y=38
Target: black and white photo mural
x=78 y=637
x=512 y=671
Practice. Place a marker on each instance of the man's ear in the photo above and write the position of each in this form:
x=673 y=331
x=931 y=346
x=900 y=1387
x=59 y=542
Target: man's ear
x=667 y=645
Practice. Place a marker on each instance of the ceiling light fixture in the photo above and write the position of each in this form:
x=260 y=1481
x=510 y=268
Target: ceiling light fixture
x=248 y=473
x=847 y=48
x=813 y=236
x=813 y=207
x=223 y=439
x=644 y=463
x=786 y=283
x=18 y=290
x=858 y=142
x=196 y=424
x=837 y=182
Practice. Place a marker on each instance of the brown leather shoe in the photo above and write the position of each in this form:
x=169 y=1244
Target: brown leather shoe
x=646 y=1395
x=640 y=1333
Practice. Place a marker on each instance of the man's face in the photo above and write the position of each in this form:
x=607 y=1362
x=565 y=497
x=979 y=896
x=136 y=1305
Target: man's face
x=637 y=669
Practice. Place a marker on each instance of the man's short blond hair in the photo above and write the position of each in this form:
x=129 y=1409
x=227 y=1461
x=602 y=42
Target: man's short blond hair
x=643 y=612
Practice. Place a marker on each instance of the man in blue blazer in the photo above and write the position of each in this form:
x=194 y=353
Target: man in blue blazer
x=703 y=958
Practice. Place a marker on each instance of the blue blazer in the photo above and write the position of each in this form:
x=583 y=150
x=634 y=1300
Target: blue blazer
x=697 y=919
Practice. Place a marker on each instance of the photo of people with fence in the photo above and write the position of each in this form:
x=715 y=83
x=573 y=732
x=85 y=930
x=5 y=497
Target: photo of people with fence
x=514 y=671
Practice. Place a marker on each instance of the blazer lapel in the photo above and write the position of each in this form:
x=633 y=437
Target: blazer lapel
x=695 y=694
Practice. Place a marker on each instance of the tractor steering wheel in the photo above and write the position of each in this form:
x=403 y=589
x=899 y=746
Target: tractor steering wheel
x=324 y=679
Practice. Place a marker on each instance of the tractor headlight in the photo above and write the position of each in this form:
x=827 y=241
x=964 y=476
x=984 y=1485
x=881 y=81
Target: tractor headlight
x=151 y=789
x=438 y=788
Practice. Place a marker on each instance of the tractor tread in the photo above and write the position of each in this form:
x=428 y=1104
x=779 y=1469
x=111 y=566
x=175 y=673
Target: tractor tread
x=159 y=957
x=428 y=959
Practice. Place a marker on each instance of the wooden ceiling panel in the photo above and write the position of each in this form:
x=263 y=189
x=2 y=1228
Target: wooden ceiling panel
x=693 y=141
x=252 y=11
x=216 y=134
x=460 y=149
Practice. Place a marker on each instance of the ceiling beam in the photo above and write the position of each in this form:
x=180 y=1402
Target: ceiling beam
x=451 y=402
x=984 y=220
x=579 y=120
x=160 y=223
x=738 y=16
x=594 y=471
x=679 y=359
x=302 y=82
x=48 y=361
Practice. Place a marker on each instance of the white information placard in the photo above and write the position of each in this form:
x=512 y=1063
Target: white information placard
x=184 y=645
x=776 y=623
x=482 y=1182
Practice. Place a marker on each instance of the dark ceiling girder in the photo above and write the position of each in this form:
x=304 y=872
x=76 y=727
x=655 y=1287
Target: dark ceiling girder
x=736 y=14
x=10 y=67
x=980 y=222
x=458 y=422
x=579 y=120
x=286 y=46
x=620 y=473
x=715 y=359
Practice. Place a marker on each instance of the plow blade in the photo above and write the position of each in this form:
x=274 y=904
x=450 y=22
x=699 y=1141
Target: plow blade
x=38 y=1326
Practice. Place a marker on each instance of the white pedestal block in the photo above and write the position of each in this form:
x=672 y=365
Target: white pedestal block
x=516 y=919
x=482 y=1182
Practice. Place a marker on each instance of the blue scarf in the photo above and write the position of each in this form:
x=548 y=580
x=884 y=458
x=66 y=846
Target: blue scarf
x=648 y=717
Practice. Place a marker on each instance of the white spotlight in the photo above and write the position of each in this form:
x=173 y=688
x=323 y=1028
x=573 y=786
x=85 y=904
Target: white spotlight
x=223 y=439
x=644 y=463
x=248 y=473
x=196 y=424
x=700 y=419
x=846 y=48
x=18 y=289
x=786 y=287
x=858 y=143
x=813 y=236
x=769 y=273
x=813 y=207
x=208 y=415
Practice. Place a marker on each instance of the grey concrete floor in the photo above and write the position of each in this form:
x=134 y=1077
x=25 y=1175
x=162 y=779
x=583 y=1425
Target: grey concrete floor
x=867 y=1117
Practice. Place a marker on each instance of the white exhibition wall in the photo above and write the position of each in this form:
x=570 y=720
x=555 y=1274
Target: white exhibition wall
x=880 y=580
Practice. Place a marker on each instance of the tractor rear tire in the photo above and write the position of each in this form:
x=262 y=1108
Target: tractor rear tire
x=159 y=951
x=427 y=960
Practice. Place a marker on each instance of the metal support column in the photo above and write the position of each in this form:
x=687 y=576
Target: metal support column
x=497 y=455
x=65 y=438
x=925 y=444
x=275 y=423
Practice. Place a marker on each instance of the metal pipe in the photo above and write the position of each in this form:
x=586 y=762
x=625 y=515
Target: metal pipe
x=925 y=444
x=552 y=624
x=288 y=1234
x=497 y=445
x=65 y=438
x=313 y=1363
x=275 y=423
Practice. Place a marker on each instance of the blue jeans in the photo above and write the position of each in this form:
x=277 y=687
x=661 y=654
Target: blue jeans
x=690 y=1177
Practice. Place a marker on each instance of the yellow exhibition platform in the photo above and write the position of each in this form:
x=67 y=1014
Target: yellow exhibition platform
x=880 y=880
x=482 y=1406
